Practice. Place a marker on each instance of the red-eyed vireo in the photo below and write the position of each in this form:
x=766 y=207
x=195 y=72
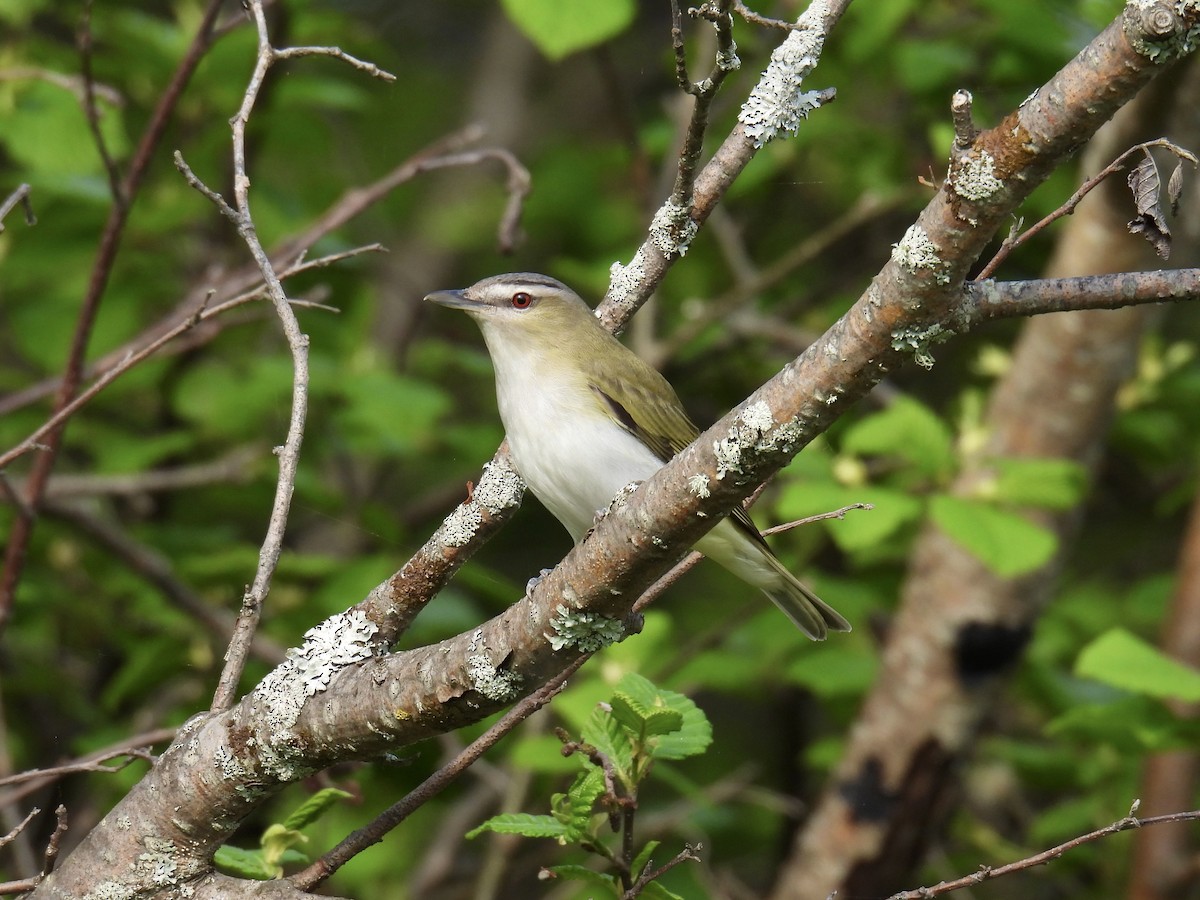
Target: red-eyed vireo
x=585 y=417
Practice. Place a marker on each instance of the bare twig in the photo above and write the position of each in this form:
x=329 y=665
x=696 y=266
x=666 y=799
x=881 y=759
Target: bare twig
x=60 y=829
x=8 y=838
x=234 y=467
x=433 y=785
x=137 y=744
x=91 y=110
x=689 y=853
x=704 y=91
x=72 y=83
x=518 y=186
x=289 y=453
x=156 y=570
x=755 y=19
x=286 y=255
x=987 y=873
x=75 y=768
x=110 y=240
x=1013 y=241
x=132 y=357
x=20 y=195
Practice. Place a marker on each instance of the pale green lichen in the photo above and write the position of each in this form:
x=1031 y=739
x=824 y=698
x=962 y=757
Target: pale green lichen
x=339 y=641
x=672 y=229
x=698 y=485
x=461 y=525
x=494 y=683
x=499 y=488
x=918 y=339
x=777 y=105
x=583 y=631
x=1155 y=28
x=915 y=252
x=975 y=177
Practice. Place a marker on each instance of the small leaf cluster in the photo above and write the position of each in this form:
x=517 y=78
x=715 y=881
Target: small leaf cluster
x=640 y=725
x=279 y=841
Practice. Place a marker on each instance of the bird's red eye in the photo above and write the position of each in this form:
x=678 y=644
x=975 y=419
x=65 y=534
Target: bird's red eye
x=522 y=300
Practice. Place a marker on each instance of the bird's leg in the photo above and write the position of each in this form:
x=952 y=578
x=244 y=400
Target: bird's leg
x=533 y=582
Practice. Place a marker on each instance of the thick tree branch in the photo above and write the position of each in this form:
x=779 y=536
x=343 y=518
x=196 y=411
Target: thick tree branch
x=366 y=701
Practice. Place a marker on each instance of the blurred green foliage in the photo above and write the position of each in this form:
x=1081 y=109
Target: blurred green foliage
x=402 y=414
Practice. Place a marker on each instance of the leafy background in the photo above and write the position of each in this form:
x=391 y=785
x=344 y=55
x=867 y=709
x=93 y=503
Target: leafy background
x=403 y=412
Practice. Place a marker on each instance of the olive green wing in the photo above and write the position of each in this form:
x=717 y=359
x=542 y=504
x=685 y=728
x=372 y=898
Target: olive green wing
x=660 y=423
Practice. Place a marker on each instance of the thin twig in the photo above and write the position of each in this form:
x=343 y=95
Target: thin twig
x=91 y=110
x=289 y=454
x=717 y=12
x=987 y=873
x=75 y=768
x=755 y=19
x=132 y=357
x=20 y=826
x=52 y=845
x=110 y=240
x=1117 y=165
x=689 y=853
x=20 y=195
x=157 y=571
x=33 y=784
x=433 y=785
x=337 y=53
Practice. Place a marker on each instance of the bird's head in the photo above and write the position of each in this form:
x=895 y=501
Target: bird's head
x=523 y=303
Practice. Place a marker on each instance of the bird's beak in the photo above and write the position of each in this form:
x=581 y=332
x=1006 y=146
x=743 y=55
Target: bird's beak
x=452 y=299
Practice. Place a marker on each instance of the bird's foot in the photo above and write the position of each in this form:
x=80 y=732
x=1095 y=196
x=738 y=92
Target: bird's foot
x=533 y=582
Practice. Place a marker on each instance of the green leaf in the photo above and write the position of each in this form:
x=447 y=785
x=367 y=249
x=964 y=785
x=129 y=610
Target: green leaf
x=906 y=429
x=575 y=807
x=640 y=861
x=314 y=807
x=1005 y=542
x=691 y=736
x=583 y=873
x=656 y=891
x=560 y=27
x=1125 y=661
x=1046 y=483
x=276 y=841
x=242 y=863
x=523 y=824
x=645 y=720
x=604 y=733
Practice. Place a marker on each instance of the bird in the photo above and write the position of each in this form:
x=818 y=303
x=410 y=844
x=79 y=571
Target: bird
x=585 y=417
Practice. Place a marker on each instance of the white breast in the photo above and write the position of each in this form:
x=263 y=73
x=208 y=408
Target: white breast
x=571 y=454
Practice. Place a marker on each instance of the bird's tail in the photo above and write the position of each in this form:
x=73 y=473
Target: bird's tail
x=810 y=613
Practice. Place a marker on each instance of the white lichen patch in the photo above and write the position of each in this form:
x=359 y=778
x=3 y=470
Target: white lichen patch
x=918 y=340
x=698 y=485
x=975 y=177
x=777 y=104
x=625 y=280
x=752 y=429
x=158 y=862
x=727 y=58
x=494 y=683
x=916 y=252
x=499 y=487
x=339 y=641
x=672 y=229
x=583 y=631
x=461 y=525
